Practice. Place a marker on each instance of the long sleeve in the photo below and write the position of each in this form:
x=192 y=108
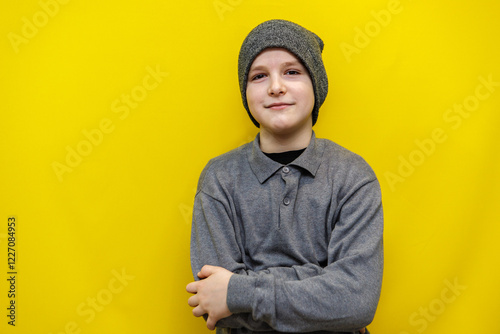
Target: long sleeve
x=213 y=242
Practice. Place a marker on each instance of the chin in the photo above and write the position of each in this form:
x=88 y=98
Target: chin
x=281 y=129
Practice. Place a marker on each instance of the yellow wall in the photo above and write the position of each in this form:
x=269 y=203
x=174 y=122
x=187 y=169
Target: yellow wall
x=100 y=158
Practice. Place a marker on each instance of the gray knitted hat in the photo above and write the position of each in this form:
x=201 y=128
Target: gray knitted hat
x=304 y=44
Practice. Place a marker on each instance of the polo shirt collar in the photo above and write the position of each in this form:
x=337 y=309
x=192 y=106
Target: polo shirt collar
x=264 y=167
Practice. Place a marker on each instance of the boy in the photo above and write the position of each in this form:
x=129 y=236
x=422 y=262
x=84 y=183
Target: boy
x=287 y=230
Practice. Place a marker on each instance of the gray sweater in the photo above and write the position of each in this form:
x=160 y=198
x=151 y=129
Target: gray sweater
x=304 y=240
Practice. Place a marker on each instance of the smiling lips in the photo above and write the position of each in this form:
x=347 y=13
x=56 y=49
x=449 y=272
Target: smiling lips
x=278 y=105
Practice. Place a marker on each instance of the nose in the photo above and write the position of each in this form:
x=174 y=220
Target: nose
x=276 y=86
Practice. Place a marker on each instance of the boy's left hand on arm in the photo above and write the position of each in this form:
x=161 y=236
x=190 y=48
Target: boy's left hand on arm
x=210 y=294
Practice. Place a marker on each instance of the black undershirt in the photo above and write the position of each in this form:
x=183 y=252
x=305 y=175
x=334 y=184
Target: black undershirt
x=285 y=158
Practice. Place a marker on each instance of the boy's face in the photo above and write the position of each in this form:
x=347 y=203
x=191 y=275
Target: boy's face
x=280 y=94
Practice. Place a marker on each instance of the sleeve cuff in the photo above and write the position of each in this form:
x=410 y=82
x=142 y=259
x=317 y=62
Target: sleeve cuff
x=240 y=292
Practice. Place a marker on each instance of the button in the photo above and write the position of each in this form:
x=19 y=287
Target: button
x=286 y=201
x=286 y=169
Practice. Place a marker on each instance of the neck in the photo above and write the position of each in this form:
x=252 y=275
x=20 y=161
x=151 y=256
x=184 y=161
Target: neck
x=276 y=143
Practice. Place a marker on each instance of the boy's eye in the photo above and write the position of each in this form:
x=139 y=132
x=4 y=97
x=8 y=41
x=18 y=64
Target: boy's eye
x=257 y=77
x=292 y=72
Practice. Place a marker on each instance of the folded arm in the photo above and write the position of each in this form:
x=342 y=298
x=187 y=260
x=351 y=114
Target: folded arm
x=341 y=296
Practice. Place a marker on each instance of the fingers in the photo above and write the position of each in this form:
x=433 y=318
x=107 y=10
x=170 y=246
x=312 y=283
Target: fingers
x=206 y=271
x=193 y=301
x=362 y=330
x=192 y=287
x=198 y=311
x=211 y=323
x=200 y=287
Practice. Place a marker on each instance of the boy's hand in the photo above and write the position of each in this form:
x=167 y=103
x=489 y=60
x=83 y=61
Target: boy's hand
x=210 y=294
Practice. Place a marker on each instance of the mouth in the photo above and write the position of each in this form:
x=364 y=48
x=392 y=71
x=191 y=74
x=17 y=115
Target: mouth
x=278 y=105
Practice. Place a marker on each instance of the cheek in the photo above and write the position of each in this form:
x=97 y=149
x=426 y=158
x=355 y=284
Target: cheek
x=252 y=97
x=309 y=95
x=306 y=95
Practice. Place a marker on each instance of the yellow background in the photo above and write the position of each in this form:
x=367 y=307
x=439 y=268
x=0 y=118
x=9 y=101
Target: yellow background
x=125 y=207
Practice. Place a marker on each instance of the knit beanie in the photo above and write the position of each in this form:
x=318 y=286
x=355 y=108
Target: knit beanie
x=304 y=44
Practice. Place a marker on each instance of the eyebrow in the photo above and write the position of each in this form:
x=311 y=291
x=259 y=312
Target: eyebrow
x=285 y=64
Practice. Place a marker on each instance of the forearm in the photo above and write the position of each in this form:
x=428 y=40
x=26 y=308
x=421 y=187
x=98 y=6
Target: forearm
x=293 y=273
x=338 y=301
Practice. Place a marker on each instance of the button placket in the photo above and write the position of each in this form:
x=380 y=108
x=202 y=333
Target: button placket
x=291 y=178
x=286 y=172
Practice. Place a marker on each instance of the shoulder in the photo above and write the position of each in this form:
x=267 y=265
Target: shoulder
x=219 y=169
x=344 y=161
